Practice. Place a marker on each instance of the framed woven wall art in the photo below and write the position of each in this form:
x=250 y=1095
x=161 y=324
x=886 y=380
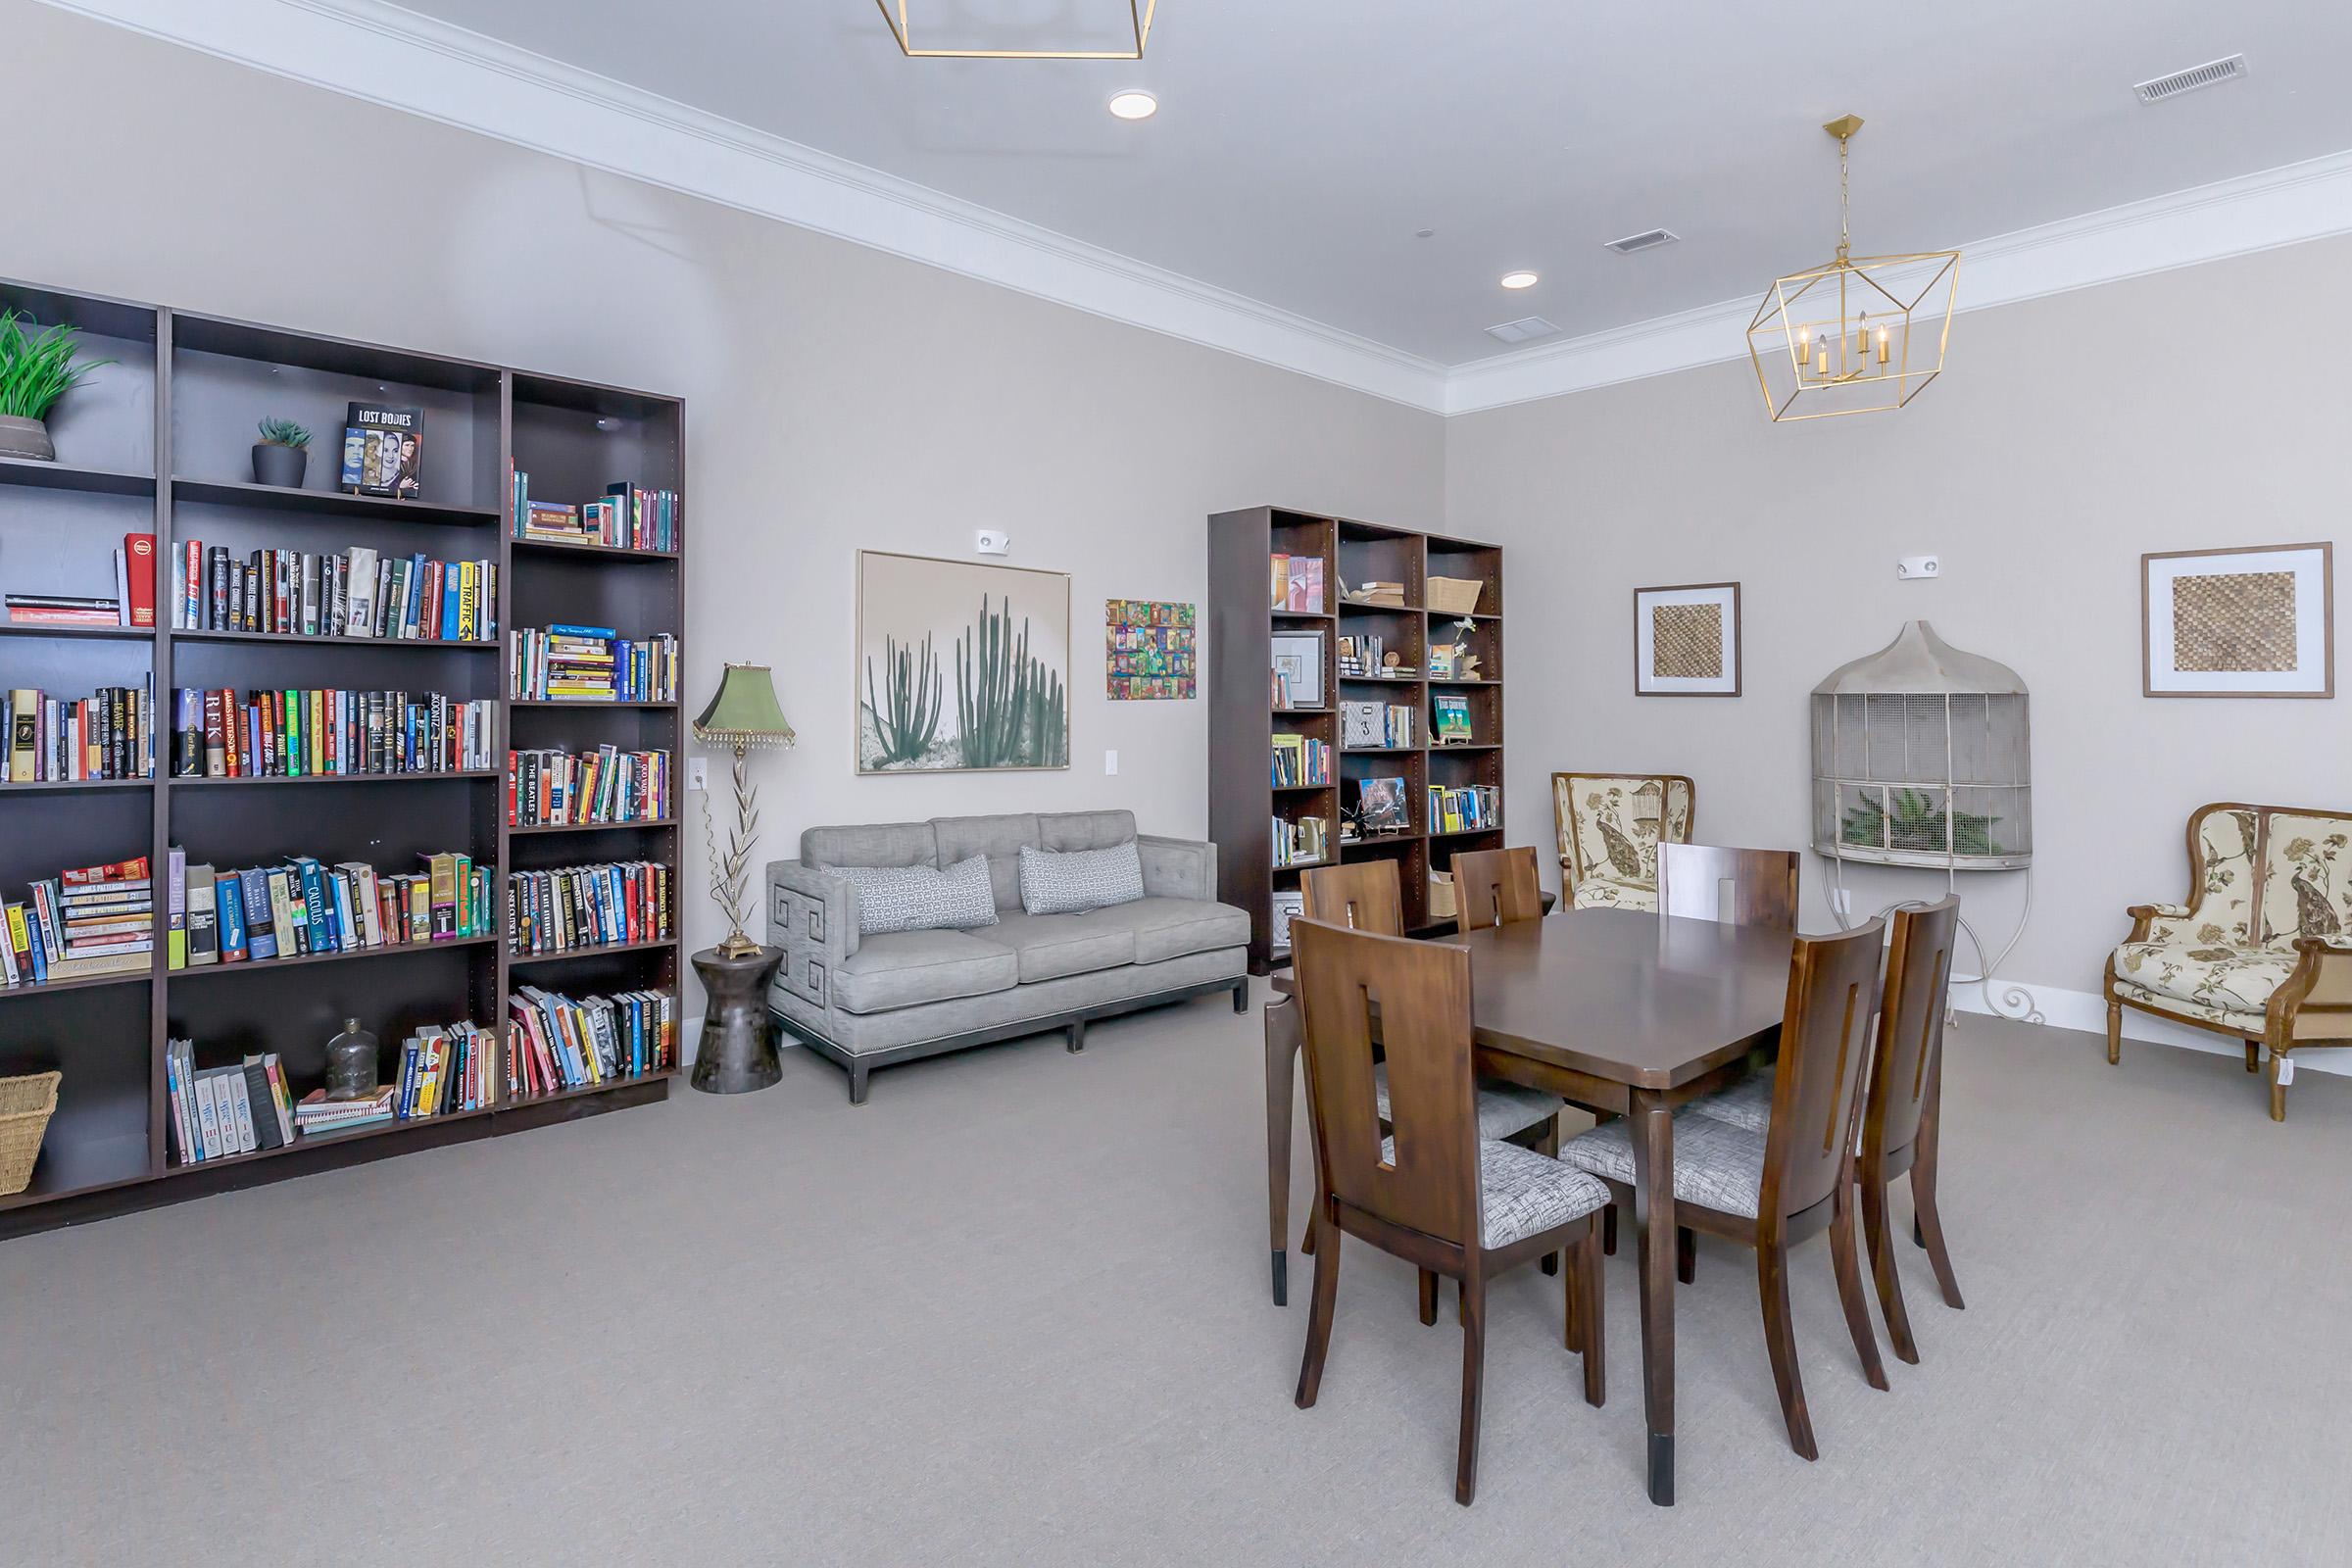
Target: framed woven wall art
x=1149 y=650
x=2253 y=622
x=1686 y=640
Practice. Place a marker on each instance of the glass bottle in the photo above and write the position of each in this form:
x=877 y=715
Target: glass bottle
x=351 y=1063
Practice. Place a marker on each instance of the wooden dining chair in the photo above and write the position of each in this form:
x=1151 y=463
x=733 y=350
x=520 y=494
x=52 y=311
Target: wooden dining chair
x=1419 y=1183
x=1738 y=887
x=1772 y=1190
x=1496 y=887
x=1899 y=1121
x=1365 y=897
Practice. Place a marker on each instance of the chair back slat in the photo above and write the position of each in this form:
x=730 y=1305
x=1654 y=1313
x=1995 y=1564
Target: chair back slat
x=1910 y=1048
x=1362 y=896
x=1422 y=991
x=1494 y=887
x=1736 y=887
x=1817 y=1087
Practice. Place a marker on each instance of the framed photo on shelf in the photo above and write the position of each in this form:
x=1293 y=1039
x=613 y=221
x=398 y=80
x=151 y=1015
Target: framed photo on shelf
x=2252 y=622
x=961 y=667
x=1298 y=660
x=1686 y=640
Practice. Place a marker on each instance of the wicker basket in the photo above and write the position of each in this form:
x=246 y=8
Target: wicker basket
x=1441 y=896
x=26 y=1106
x=1454 y=595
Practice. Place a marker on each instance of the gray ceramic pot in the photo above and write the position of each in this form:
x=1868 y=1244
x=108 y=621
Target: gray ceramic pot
x=25 y=438
x=279 y=466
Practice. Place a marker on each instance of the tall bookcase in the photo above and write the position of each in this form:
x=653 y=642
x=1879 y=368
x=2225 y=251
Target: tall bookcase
x=159 y=443
x=1242 y=622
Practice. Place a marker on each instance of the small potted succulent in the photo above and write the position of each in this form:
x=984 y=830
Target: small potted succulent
x=281 y=455
x=35 y=372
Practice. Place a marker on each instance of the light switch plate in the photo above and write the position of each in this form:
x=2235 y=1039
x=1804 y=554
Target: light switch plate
x=1110 y=761
x=1911 y=567
x=993 y=543
x=698 y=775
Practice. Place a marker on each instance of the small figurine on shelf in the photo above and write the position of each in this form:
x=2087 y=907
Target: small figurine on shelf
x=1392 y=666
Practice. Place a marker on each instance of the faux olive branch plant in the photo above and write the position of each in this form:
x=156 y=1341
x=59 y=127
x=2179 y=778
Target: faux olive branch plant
x=36 y=371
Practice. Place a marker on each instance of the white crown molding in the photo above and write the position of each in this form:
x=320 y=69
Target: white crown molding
x=372 y=50
x=2251 y=213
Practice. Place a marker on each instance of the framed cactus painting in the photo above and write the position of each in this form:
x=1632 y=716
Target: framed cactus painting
x=961 y=667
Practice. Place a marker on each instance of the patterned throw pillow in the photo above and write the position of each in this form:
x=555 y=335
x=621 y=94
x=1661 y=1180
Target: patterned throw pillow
x=918 y=897
x=1074 y=881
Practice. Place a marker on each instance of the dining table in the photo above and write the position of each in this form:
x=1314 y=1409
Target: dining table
x=1623 y=1013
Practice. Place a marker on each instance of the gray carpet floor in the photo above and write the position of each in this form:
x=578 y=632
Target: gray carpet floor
x=1015 y=1311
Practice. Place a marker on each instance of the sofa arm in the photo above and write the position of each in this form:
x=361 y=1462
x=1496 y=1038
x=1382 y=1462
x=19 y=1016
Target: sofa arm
x=814 y=918
x=1178 y=869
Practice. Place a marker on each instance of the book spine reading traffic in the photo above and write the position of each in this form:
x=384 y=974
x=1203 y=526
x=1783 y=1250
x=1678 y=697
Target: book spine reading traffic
x=574 y=906
x=557 y=1042
x=591 y=665
x=354 y=593
x=93 y=920
x=559 y=789
x=626 y=516
x=108 y=734
x=302 y=732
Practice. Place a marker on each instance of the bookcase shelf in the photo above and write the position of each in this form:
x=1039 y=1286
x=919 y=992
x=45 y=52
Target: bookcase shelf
x=1243 y=725
x=590 y=701
x=181 y=400
x=588 y=827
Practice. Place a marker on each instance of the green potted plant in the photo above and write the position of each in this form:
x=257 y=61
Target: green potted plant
x=281 y=455
x=35 y=372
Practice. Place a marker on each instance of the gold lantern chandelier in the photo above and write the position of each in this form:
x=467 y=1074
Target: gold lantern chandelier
x=1857 y=335
x=919 y=40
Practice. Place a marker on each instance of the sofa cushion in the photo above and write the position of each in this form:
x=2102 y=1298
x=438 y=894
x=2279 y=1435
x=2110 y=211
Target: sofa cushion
x=1169 y=928
x=1074 y=881
x=1051 y=946
x=2236 y=981
x=1085 y=830
x=902 y=969
x=882 y=844
x=2306 y=877
x=1001 y=838
x=919 y=897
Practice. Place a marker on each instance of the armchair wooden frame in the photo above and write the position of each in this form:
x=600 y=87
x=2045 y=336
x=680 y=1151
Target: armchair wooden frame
x=1573 y=869
x=2313 y=1004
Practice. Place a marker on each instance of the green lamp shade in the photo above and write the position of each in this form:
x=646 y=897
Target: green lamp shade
x=744 y=713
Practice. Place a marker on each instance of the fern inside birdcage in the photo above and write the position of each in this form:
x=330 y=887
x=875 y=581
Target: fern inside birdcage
x=1911 y=819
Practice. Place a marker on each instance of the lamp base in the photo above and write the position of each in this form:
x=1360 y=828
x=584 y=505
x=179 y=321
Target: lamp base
x=737 y=1054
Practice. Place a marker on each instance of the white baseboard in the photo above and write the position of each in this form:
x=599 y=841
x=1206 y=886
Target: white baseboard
x=2087 y=1011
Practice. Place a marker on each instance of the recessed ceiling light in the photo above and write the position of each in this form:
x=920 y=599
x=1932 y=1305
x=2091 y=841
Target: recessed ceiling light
x=1134 y=104
x=1519 y=280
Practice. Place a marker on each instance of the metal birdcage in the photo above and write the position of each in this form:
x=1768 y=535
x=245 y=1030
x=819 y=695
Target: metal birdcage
x=1920 y=759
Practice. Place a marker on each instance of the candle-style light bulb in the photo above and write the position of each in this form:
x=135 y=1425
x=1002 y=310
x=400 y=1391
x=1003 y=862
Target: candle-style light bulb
x=1821 y=356
x=1881 y=345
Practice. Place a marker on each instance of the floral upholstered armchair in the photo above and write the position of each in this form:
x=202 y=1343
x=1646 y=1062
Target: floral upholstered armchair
x=1610 y=829
x=2262 y=949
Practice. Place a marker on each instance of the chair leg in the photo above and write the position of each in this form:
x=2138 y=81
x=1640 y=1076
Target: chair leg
x=2253 y=1055
x=1881 y=1269
x=1548 y=1146
x=1474 y=1373
x=2115 y=1033
x=1282 y=1069
x=1849 y=1269
x=1585 y=1283
x=1608 y=1230
x=1927 y=1225
x=1429 y=1296
x=1685 y=1253
x=1771 y=1290
x=2278 y=1089
x=1318 y=1317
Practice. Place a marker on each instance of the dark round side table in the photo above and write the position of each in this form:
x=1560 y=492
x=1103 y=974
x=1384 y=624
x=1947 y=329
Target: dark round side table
x=738 y=1050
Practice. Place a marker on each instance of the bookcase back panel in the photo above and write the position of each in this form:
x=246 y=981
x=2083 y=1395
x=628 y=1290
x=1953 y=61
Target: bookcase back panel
x=107 y=420
x=63 y=541
x=584 y=726
x=217 y=400
x=1399 y=633
x=1369 y=556
x=1455 y=767
x=68 y=669
x=572 y=454
x=636 y=597
x=96 y=1036
x=295 y=1010
x=243 y=529
x=42 y=833
x=602 y=974
x=629 y=841
x=1485 y=705
x=417 y=668
x=386 y=823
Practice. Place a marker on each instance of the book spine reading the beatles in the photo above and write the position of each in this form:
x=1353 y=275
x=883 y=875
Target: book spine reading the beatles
x=559 y=789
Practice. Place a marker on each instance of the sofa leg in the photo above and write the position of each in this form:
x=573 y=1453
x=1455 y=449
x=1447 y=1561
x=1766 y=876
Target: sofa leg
x=858 y=1071
x=1240 y=996
x=2278 y=1089
x=2115 y=1033
x=2253 y=1055
x=1077 y=1036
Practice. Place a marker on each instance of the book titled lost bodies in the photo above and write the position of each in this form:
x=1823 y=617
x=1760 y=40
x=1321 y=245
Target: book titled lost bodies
x=383 y=447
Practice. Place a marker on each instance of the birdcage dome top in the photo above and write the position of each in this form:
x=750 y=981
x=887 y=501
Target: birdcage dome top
x=1920 y=662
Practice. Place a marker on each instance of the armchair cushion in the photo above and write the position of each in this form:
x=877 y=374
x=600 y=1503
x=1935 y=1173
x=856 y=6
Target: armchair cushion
x=2236 y=982
x=2306 y=877
x=1610 y=825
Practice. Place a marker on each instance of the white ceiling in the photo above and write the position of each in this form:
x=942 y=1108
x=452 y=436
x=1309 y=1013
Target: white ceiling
x=1300 y=144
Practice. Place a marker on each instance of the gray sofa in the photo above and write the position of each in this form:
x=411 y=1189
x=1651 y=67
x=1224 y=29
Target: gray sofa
x=891 y=998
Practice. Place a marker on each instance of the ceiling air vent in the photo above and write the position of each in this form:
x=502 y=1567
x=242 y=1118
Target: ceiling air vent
x=1644 y=242
x=2180 y=81
x=1526 y=329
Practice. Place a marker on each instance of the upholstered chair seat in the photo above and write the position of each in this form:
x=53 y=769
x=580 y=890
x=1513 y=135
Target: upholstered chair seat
x=1503 y=1108
x=1716 y=1164
x=1746 y=1103
x=1523 y=1193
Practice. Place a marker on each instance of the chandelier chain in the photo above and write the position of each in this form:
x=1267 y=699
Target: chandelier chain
x=1844 y=200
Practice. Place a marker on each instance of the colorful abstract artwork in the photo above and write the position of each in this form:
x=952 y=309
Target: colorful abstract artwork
x=1149 y=650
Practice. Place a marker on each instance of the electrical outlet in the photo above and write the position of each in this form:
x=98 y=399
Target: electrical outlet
x=697 y=772
x=1110 y=762
x=1907 y=569
x=992 y=543
x=1842 y=902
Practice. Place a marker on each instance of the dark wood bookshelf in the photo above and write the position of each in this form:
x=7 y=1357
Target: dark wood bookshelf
x=1242 y=724
x=181 y=399
x=651 y=945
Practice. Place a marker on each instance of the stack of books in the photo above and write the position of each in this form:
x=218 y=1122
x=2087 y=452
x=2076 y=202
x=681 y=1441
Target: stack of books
x=297 y=733
x=560 y=1043
x=320 y=1117
x=587 y=906
x=1298 y=584
x=1363 y=657
x=1378 y=728
x=1379 y=595
x=444 y=1070
x=354 y=593
x=106 y=735
x=1300 y=760
x=96 y=920
x=1464 y=809
x=592 y=664
x=304 y=906
x=1299 y=842
x=626 y=516
x=559 y=789
x=133 y=603
x=219 y=1111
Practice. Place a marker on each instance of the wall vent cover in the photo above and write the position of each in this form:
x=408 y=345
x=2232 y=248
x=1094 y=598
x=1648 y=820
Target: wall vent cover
x=1650 y=240
x=2211 y=75
x=1526 y=329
